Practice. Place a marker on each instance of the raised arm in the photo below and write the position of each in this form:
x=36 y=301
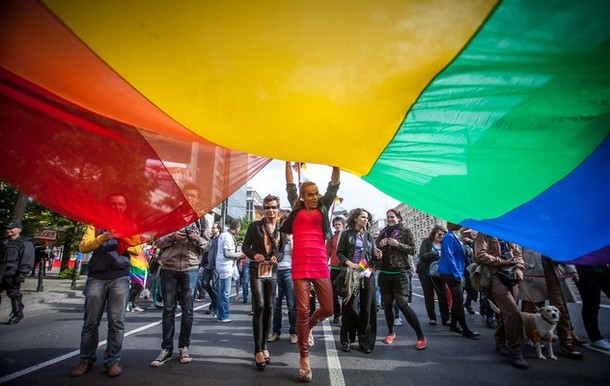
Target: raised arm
x=291 y=188
x=289 y=176
x=334 y=178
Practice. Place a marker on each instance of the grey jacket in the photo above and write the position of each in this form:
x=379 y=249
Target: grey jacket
x=185 y=254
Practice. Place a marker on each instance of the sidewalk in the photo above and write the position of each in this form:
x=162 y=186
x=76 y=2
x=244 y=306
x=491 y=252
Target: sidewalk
x=53 y=290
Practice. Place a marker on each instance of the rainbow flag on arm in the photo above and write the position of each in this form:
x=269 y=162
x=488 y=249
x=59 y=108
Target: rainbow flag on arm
x=365 y=269
x=138 y=270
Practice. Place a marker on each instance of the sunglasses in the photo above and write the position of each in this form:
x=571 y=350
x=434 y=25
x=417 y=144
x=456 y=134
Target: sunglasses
x=269 y=207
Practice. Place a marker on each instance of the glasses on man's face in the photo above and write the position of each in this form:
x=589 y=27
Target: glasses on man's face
x=270 y=207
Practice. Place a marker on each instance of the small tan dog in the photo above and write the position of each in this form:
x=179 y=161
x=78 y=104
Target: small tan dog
x=538 y=326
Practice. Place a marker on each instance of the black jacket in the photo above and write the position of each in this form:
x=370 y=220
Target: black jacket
x=16 y=257
x=254 y=242
x=347 y=246
x=426 y=256
x=327 y=201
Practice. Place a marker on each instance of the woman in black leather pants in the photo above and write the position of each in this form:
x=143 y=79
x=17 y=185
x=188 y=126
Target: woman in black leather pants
x=264 y=246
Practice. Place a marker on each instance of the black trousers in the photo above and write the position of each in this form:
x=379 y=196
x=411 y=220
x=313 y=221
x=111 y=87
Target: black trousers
x=263 y=293
x=359 y=316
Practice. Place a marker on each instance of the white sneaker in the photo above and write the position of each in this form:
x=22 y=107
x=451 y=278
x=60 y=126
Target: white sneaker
x=275 y=336
x=184 y=355
x=137 y=309
x=601 y=344
x=294 y=339
x=164 y=356
x=398 y=322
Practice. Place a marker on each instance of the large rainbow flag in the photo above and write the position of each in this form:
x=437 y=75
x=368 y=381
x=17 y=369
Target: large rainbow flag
x=492 y=114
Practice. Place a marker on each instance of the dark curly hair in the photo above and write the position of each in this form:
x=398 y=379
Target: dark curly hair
x=353 y=215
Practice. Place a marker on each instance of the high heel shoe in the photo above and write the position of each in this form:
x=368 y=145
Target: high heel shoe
x=259 y=359
x=267 y=357
x=304 y=370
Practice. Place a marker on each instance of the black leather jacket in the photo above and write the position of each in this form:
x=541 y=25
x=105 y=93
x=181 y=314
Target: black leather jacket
x=254 y=242
x=347 y=245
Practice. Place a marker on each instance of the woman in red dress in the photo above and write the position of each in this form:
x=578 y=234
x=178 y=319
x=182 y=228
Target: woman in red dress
x=310 y=228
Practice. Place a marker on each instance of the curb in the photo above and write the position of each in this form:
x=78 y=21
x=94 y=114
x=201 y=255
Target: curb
x=54 y=290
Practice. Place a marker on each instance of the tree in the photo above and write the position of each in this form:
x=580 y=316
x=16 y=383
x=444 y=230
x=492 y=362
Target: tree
x=36 y=217
x=244 y=223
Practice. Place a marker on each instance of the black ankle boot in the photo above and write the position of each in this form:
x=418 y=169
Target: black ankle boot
x=17 y=314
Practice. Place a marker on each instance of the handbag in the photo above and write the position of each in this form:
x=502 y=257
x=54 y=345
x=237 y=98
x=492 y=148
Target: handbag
x=480 y=276
x=507 y=275
x=433 y=270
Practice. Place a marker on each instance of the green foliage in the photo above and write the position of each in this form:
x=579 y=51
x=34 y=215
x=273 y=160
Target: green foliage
x=66 y=274
x=8 y=195
x=244 y=223
x=37 y=218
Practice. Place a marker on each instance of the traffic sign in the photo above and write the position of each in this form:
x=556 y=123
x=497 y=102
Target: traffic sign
x=46 y=234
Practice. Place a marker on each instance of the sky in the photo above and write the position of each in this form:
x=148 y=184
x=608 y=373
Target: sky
x=354 y=191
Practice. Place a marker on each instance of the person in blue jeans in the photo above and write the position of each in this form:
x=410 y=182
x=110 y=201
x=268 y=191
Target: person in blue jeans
x=106 y=289
x=285 y=289
x=209 y=277
x=226 y=257
x=180 y=255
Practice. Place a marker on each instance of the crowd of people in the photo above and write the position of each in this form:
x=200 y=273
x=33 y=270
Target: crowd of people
x=319 y=266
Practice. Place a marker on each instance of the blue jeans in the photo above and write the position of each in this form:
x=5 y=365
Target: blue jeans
x=209 y=280
x=155 y=290
x=110 y=295
x=224 y=291
x=285 y=288
x=178 y=286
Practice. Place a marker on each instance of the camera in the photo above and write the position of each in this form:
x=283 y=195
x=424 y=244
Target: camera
x=188 y=230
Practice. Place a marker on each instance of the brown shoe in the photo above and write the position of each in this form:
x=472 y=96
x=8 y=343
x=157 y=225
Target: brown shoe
x=576 y=340
x=114 y=370
x=81 y=369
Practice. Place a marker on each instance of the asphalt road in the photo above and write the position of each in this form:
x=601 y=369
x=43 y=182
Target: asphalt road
x=42 y=349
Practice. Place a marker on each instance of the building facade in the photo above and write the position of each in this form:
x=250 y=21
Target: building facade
x=419 y=222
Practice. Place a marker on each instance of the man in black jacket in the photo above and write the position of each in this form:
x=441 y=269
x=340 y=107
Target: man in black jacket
x=16 y=260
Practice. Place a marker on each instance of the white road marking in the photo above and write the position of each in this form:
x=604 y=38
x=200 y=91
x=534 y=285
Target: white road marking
x=50 y=362
x=334 y=364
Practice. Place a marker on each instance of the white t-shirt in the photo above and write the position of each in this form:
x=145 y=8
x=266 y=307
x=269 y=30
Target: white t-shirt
x=224 y=266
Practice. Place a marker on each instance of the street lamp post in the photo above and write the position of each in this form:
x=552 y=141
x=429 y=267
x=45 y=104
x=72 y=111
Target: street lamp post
x=42 y=266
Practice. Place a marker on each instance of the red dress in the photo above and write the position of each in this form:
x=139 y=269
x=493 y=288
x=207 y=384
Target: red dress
x=309 y=258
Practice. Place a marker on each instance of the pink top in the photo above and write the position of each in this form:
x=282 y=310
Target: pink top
x=309 y=258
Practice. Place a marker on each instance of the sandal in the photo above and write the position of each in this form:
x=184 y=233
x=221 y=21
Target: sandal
x=390 y=338
x=305 y=370
x=259 y=359
x=267 y=357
